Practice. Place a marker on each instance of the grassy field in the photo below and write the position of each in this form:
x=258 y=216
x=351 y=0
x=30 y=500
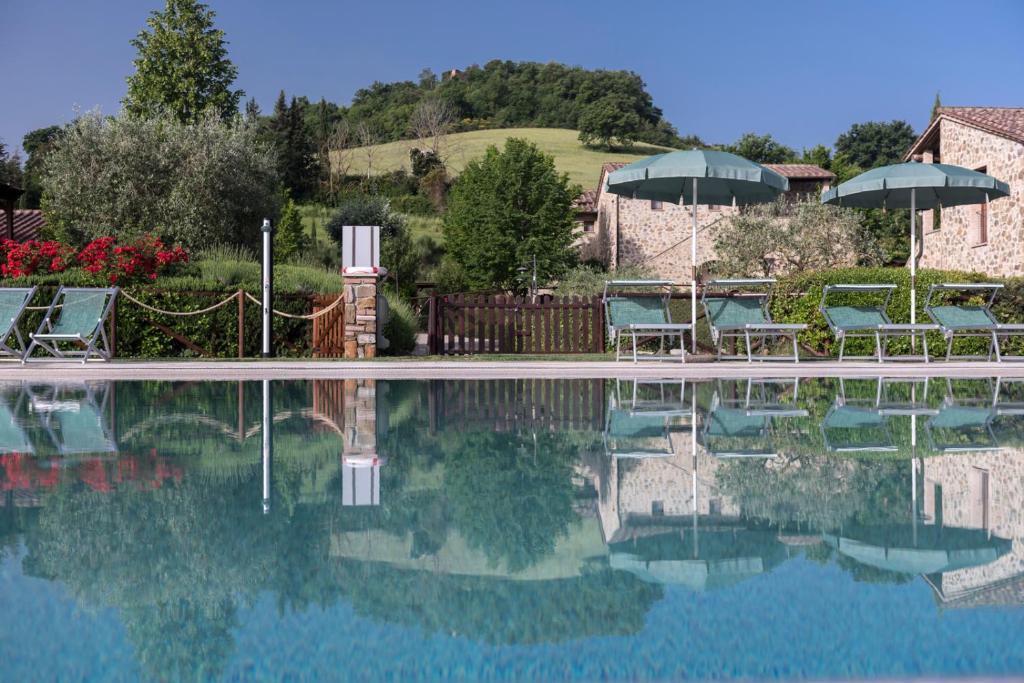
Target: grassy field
x=316 y=216
x=581 y=163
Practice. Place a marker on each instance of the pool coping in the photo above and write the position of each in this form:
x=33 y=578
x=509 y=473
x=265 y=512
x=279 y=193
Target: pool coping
x=461 y=369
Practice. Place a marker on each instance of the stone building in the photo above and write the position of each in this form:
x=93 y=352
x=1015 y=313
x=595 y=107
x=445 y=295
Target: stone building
x=986 y=238
x=618 y=231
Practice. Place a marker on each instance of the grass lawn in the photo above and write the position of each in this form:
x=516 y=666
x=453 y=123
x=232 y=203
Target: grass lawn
x=581 y=163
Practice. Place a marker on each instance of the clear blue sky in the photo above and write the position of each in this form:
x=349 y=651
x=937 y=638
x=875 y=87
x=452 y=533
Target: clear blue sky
x=803 y=71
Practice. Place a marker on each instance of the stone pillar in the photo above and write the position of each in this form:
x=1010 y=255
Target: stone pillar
x=360 y=315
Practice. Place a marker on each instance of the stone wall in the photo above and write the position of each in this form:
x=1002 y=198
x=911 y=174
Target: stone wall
x=360 y=316
x=955 y=245
x=631 y=232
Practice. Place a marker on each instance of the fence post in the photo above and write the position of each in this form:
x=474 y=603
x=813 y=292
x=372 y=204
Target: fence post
x=241 y=323
x=432 y=323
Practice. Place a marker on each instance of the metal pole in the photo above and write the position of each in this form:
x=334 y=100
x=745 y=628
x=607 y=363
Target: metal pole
x=268 y=444
x=693 y=274
x=268 y=287
x=913 y=258
x=533 y=292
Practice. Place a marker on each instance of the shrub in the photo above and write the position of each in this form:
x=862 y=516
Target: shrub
x=140 y=261
x=193 y=184
x=586 y=280
x=289 y=236
x=21 y=259
x=401 y=326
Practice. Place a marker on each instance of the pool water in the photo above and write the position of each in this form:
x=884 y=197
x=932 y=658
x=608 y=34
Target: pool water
x=512 y=529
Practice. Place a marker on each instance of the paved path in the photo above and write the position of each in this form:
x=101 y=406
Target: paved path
x=479 y=369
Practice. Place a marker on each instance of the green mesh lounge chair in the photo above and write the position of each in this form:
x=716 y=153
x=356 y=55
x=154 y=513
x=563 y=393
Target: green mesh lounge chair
x=867 y=318
x=641 y=316
x=744 y=315
x=74 y=417
x=13 y=301
x=735 y=432
x=970 y=320
x=73 y=326
x=857 y=424
x=962 y=429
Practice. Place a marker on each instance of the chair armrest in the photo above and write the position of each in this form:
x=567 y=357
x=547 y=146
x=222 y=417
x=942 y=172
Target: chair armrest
x=776 y=326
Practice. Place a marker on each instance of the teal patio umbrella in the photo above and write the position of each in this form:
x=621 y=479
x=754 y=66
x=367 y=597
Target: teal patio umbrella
x=697 y=177
x=915 y=186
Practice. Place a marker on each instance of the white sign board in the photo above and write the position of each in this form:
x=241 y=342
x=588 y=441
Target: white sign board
x=360 y=248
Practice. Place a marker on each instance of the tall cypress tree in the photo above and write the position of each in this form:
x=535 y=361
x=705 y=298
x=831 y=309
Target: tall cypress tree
x=294 y=145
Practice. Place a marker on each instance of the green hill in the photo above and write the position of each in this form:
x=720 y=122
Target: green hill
x=581 y=163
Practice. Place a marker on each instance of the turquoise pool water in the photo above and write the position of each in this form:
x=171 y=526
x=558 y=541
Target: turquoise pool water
x=512 y=530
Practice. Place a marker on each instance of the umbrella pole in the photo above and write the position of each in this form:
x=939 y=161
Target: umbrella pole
x=693 y=273
x=913 y=264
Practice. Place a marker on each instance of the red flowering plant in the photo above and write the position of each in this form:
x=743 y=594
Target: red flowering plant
x=140 y=261
x=20 y=259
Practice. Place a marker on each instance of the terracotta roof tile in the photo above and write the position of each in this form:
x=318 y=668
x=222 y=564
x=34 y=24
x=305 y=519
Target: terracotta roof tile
x=1005 y=121
x=586 y=202
x=801 y=171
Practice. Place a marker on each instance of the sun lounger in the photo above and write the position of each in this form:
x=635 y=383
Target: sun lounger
x=962 y=429
x=866 y=317
x=13 y=301
x=639 y=316
x=75 y=319
x=736 y=314
x=12 y=436
x=959 y=318
x=741 y=421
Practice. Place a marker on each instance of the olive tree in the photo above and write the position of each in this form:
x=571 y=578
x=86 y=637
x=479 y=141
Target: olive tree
x=197 y=184
x=774 y=238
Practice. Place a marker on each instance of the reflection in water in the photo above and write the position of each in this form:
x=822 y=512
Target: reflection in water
x=521 y=512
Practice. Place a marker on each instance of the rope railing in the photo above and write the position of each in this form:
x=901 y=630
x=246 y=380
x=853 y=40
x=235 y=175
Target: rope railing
x=311 y=316
x=161 y=311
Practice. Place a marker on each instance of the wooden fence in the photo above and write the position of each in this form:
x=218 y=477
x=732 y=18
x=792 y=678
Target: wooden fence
x=506 y=405
x=328 y=329
x=474 y=324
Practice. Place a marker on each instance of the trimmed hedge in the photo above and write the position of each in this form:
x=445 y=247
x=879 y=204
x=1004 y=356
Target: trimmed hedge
x=796 y=300
x=217 y=332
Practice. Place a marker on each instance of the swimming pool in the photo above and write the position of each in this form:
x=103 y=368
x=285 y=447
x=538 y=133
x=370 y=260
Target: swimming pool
x=512 y=529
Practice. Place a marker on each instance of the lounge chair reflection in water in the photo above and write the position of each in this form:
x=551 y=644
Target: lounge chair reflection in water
x=744 y=414
x=641 y=417
x=74 y=416
x=964 y=423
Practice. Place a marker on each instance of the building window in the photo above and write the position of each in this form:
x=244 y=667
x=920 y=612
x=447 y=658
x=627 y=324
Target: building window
x=656 y=205
x=981 y=217
x=657 y=508
x=588 y=226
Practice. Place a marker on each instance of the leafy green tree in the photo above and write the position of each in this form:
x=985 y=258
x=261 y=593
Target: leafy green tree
x=37 y=144
x=10 y=167
x=182 y=68
x=198 y=184
x=506 y=208
x=875 y=143
x=764 y=149
x=819 y=155
x=609 y=119
x=289 y=238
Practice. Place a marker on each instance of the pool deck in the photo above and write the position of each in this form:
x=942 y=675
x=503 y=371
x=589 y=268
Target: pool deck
x=481 y=369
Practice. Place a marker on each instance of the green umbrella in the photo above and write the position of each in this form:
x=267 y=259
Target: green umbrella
x=697 y=177
x=915 y=186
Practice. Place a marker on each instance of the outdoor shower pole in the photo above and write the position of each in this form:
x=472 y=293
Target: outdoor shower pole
x=268 y=287
x=913 y=266
x=693 y=277
x=268 y=443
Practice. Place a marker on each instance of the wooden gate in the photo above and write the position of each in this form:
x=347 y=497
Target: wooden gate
x=473 y=324
x=328 y=329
